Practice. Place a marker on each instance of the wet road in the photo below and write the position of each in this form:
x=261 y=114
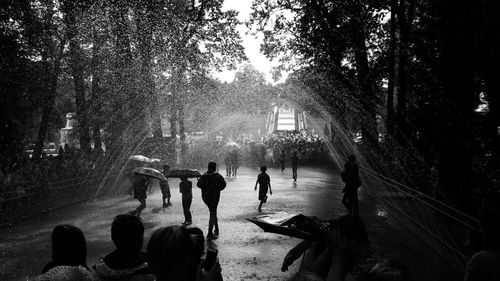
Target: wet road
x=245 y=251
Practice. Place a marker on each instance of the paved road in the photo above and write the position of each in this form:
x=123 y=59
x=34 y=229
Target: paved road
x=245 y=251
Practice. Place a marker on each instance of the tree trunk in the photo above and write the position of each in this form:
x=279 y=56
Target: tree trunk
x=391 y=69
x=405 y=22
x=95 y=104
x=455 y=155
x=366 y=83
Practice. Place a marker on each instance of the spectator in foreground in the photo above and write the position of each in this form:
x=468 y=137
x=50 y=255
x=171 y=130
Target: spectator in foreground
x=211 y=184
x=336 y=256
x=389 y=270
x=174 y=254
x=127 y=262
x=484 y=265
x=69 y=247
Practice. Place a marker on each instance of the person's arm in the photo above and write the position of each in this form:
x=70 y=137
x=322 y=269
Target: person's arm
x=270 y=190
x=200 y=182
x=294 y=254
x=256 y=182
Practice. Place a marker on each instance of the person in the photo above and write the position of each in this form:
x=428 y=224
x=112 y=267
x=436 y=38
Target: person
x=165 y=188
x=295 y=162
x=227 y=163
x=234 y=160
x=185 y=187
x=211 y=183
x=127 y=262
x=350 y=176
x=342 y=251
x=69 y=248
x=483 y=265
x=140 y=184
x=174 y=254
x=264 y=182
x=282 y=160
x=389 y=270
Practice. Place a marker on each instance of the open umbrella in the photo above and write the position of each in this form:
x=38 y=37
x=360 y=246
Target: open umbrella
x=140 y=158
x=188 y=173
x=232 y=146
x=150 y=172
x=292 y=225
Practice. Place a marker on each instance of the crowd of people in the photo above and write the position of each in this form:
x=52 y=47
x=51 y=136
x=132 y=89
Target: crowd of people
x=29 y=176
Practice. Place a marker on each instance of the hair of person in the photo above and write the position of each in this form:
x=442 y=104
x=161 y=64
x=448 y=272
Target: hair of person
x=166 y=167
x=212 y=166
x=263 y=168
x=69 y=246
x=352 y=226
x=184 y=178
x=127 y=232
x=389 y=270
x=170 y=250
x=490 y=228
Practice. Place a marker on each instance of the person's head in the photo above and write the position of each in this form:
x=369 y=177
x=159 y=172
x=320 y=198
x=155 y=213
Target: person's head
x=389 y=270
x=212 y=166
x=183 y=178
x=353 y=229
x=263 y=168
x=166 y=167
x=127 y=232
x=351 y=158
x=295 y=153
x=172 y=250
x=68 y=246
x=490 y=229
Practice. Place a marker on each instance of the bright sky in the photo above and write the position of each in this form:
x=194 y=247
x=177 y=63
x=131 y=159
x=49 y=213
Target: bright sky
x=251 y=44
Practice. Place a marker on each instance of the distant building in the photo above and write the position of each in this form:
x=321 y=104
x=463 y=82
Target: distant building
x=286 y=117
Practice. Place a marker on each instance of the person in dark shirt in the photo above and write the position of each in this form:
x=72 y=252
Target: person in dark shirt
x=211 y=183
x=186 y=187
x=295 y=162
x=165 y=188
x=140 y=184
x=350 y=176
x=264 y=182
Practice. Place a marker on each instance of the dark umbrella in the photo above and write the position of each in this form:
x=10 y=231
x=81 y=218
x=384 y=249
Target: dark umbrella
x=285 y=224
x=188 y=173
x=150 y=172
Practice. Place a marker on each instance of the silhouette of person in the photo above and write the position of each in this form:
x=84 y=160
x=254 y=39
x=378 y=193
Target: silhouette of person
x=350 y=176
x=264 y=182
x=295 y=162
x=165 y=188
x=211 y=183
x=140 y=184
x=185 y=186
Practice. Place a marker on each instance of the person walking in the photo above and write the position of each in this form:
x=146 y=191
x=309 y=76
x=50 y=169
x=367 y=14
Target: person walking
x=140 y=184
x=350 y=176
x=186 y=186
x=282 y=159
x=295 y=162
x=264 y=182
x=211 y=183
x=165 y=188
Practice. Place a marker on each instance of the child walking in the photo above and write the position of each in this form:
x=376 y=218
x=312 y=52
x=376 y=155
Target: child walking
x=264 y=182
x=186 y=187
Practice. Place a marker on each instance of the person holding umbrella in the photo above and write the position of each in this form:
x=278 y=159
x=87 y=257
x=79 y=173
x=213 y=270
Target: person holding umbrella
x=140 y=184
x=165 y=188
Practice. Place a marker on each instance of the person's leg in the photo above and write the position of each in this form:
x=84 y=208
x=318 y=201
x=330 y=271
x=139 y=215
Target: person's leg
x=141 y=207
x=188 y=216
x=345 y=201
x=260 y=205
x=294 y=173
x=355 y=203
x=216 y=224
